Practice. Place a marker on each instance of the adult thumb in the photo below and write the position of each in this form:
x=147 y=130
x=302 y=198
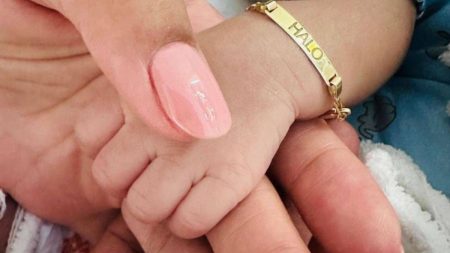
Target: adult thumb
x=147 y=50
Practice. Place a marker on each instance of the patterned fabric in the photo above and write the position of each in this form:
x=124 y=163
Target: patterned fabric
x=420 y=5
x=410 y=111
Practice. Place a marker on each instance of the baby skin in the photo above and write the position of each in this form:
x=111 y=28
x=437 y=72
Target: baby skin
x=267 y=82
x=193 y=185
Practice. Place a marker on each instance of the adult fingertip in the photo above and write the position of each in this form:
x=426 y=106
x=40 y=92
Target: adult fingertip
x=335 y=193
x=188 y=91
x=346 y=134
x=147 y=56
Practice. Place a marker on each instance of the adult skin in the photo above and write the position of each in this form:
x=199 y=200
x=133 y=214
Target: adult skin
x=128 y=56
x=84 y=196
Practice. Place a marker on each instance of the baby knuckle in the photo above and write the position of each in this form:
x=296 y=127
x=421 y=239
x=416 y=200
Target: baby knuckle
x=283 y=246
x=235 y=176
x=107 y=183
x=101 y=174
x=157 y=244
x=139 y=205
x=167 y=161
x=104 y=181
x=189 y=225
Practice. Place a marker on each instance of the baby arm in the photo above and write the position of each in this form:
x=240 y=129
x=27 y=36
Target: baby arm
x=268 y=83
x=365 y=40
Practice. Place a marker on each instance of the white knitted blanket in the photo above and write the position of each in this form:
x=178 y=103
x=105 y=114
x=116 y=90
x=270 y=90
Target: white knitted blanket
x=424 y=213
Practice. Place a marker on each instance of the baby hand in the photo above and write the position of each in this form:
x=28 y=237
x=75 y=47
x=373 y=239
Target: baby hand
x=268 y=83
x=194 y=185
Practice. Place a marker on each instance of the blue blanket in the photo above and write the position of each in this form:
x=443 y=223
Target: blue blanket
x=411 y=111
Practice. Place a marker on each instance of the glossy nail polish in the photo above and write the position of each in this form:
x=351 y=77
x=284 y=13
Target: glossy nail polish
x=188 y=91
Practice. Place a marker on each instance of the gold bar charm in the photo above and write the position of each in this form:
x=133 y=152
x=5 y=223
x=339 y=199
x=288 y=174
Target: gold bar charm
x=312 y=50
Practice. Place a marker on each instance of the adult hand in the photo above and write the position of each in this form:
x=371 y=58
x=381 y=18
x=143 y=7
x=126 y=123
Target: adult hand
x=57 y=107
x=333 y=191
x=136 y=44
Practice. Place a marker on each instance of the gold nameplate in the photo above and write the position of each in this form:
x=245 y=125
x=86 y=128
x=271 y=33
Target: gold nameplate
x=312 y=50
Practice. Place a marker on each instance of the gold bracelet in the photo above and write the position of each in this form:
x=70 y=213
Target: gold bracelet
x=312 y=50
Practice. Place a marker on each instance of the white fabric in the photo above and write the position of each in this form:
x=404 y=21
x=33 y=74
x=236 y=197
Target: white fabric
x=51 y=238
x=2 y=204
x=424 y=213
x=30 y=234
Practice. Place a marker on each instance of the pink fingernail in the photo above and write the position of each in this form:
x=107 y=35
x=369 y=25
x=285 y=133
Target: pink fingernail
x=188 y=91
